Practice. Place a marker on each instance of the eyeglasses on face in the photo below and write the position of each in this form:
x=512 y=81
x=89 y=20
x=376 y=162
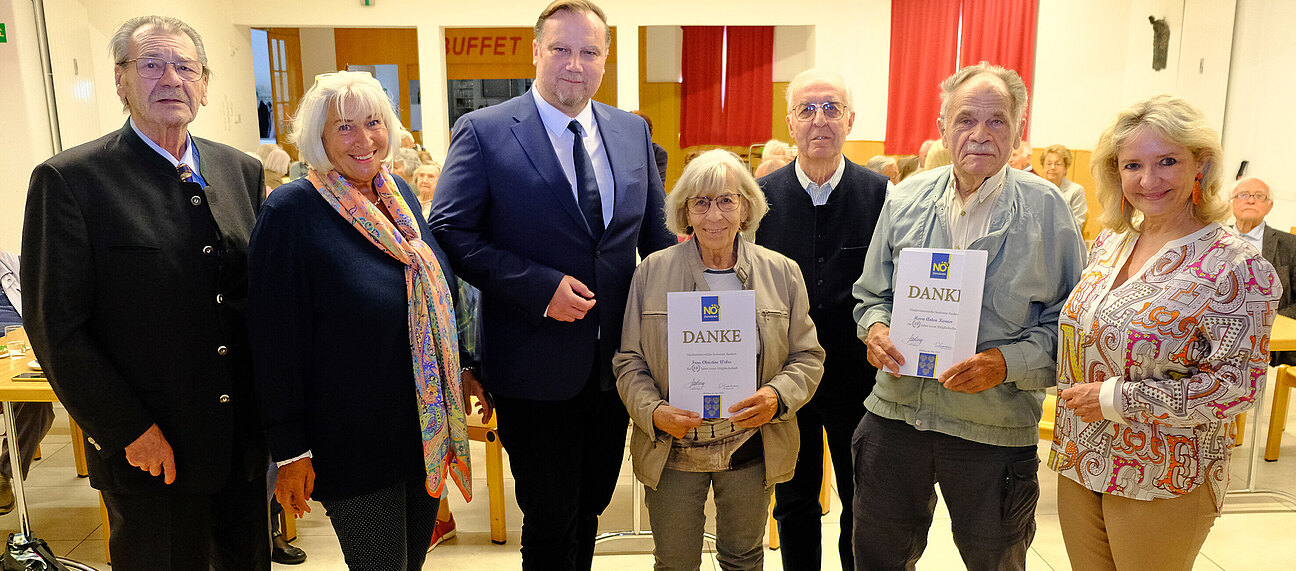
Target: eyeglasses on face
x=155 y=68
x=1256 y=196
x=702 y=204
x=832 y=110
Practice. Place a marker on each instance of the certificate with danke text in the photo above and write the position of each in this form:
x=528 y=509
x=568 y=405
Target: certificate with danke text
x=712 y=349
x=936 y=309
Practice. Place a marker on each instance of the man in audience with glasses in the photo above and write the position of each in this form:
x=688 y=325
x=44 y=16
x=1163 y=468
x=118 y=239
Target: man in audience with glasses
x=1251 y=203
x=822 y=211
x=134 y=285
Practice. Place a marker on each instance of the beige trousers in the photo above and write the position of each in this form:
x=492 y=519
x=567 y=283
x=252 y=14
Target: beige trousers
x=1108 y=532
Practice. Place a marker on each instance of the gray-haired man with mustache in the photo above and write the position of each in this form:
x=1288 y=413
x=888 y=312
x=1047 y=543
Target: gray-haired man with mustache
x=974 y=429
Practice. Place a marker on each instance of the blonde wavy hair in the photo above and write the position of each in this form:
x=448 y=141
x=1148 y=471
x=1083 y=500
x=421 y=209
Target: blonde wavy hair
x=1176 y=121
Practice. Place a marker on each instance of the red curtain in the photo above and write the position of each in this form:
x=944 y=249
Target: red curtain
x=741 y=115
x=749 y=80
x=1001 y=32
x=924 y=49
x=701 y=69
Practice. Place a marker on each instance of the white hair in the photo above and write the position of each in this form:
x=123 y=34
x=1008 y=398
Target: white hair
x=356 y=91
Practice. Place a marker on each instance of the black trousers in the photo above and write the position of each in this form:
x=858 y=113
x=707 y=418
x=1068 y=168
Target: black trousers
x=796 y=505
x=990 y=491
x=565 y=456
x=226 y=530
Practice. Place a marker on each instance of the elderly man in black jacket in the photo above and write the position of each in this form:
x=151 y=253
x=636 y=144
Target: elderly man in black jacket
x=1251 y=203
x=134 y=281
x=822 y=211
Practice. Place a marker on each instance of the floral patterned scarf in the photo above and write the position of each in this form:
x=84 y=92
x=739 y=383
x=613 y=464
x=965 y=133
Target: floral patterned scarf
x=434 y=345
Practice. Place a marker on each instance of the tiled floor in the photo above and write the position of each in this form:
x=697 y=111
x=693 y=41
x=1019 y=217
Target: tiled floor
x=1255 y=532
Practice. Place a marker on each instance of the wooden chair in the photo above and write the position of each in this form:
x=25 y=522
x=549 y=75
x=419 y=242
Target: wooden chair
x=1284 y=382
x=1047 y=417
x=825 y=496
x=486 y=432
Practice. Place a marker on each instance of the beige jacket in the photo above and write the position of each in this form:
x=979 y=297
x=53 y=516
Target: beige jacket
x=790 y=359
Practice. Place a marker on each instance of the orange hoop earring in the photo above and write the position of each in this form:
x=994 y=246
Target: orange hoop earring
x=1197 y=189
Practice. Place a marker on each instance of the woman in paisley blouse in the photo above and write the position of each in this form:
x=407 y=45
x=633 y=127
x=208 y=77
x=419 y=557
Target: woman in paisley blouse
x=1163 y=343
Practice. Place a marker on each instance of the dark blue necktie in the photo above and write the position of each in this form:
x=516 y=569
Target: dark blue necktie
x=587 y=189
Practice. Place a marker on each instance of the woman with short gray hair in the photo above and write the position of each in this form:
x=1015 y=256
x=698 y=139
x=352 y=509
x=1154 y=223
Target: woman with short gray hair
x=677 y=453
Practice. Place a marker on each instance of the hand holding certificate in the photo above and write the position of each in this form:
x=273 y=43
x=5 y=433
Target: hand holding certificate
x=936 y=311
x=712 y=350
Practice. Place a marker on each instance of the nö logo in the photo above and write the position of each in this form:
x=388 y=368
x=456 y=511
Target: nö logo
x=711 y=308
x=940 y=266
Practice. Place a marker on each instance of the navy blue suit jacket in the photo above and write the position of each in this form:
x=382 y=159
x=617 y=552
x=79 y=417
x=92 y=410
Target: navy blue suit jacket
x=507 y=217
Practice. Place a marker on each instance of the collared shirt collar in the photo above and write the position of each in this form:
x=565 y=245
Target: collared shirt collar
x=819 y=194
x=969 y=220
x=1255 y=236
x=187 y=157
x=556 y=121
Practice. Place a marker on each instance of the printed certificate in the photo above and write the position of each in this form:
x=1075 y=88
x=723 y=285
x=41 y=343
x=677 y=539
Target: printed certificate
x=712 y=349
x=936 y=309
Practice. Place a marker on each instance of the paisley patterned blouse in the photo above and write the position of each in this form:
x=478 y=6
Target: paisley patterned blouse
x=1183 y=347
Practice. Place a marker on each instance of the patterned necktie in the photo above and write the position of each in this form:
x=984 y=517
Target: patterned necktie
x=587 y=189
x=186 y=173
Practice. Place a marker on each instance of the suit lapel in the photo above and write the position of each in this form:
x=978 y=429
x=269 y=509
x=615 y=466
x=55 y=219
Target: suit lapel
x=1269 y=245
x=534 y=140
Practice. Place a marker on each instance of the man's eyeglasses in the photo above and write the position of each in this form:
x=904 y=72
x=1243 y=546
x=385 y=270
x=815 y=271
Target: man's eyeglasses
x=155 y=68
x=1256 y=196
x=702 y=204
x=832 y=110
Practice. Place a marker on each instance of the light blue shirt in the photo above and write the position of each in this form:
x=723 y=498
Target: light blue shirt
x=561 y=138
x=819 y=193
x=1255 y=236
x=188 y=157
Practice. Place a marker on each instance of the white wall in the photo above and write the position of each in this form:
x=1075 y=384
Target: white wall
x=1259 y=123
x=22 y=97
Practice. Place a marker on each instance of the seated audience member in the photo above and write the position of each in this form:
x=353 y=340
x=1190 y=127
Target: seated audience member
x=774 y=156
x=263 y=151
x=909 y=165
x=659 y=152
x=924 y=149
x=342 y=255
x=34 y=419
x=886 y=166
x=1021 y=157
x=405 y=163
x=408 y=142
x=677 y=454
x=937 y=156
x=1251 y=203
x=276 y=167
x=426 y=158
x=1056 y=161
x=425 y=181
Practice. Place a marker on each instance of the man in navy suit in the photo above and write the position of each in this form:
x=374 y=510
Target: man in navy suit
x=542 y=204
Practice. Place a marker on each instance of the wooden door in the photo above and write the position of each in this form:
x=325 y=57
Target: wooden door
x=285 y=81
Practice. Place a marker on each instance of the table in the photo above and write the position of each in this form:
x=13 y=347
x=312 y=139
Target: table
x=1281 y=338
x=12 y=391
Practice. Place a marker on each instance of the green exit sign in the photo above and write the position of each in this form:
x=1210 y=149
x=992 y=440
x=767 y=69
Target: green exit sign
x=3 y=36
